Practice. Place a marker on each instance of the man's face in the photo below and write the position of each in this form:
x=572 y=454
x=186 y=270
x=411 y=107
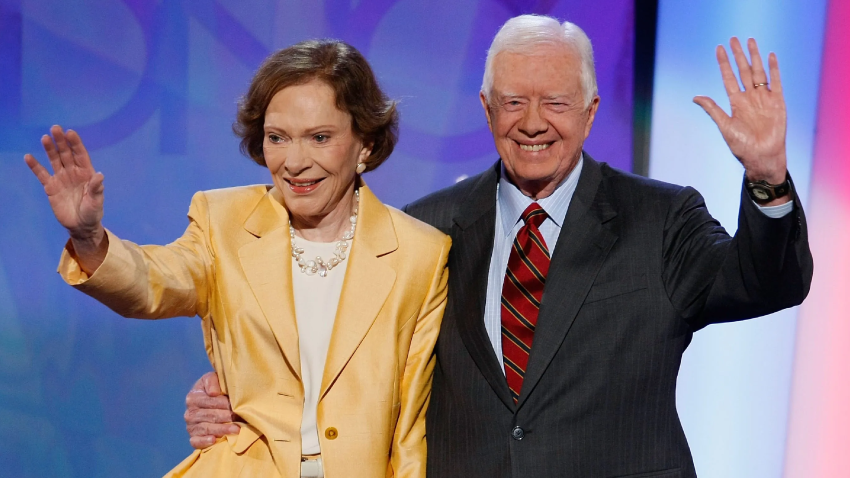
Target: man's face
x=538 y=116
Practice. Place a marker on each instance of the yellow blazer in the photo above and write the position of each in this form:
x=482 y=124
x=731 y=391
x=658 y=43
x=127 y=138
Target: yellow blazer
x=232 y=268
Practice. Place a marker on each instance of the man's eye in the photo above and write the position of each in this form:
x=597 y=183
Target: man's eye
x=514 y=103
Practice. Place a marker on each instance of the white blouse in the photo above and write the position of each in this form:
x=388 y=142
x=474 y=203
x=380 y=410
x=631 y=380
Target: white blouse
x=316 y=301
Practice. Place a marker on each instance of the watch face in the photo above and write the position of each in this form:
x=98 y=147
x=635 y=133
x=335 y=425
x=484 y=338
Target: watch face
x=760 y=193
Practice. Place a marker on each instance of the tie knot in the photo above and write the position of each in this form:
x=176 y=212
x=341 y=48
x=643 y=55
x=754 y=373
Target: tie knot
x=534 y=215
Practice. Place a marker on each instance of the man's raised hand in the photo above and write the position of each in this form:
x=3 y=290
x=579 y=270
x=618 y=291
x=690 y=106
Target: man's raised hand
x=755 y=131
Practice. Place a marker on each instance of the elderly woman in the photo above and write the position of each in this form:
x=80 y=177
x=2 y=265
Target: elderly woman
x=320 y=305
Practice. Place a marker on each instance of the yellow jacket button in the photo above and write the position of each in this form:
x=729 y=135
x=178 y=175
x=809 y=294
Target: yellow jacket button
x=331 y=433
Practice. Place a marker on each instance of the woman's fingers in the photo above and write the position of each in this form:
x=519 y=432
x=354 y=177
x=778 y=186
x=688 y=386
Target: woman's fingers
x=40 y=171
x=94 y=192
x=52 y=153
x=62 y=146
x=81 y=155
x=95 y=184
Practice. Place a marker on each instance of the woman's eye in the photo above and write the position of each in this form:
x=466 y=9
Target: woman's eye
x=274 y=138
x=321 y=138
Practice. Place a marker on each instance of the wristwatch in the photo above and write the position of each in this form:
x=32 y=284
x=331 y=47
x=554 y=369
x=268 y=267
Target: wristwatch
x=763 y=192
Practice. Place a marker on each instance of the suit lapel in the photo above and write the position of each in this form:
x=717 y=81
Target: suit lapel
x=583 y=245
x=368 y=282
x=469 y=263
x=268 y=268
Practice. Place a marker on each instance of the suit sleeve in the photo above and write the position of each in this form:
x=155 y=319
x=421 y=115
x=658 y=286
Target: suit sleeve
x=711 y=277
x=409 y=452
x=151 y=282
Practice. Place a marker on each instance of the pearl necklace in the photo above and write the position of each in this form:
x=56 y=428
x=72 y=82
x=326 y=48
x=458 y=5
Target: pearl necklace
x=319 y=265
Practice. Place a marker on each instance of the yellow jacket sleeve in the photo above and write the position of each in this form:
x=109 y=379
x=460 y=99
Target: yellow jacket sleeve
x=409 y=452
x=152 y=282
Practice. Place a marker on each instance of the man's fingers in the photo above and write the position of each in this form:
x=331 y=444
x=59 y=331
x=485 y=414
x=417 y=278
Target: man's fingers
x=198 y=386
x=199 y=399
x=729 y=80
x=81 y=155
x=744 y=69
x=775 y=80
x=40 y=171
x=201 y=442
x=212 y=429
x=195 y=416
x=759 y=75
x=211 y=385
x=717 y=114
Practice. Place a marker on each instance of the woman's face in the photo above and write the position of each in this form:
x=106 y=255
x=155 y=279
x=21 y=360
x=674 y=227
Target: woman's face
x=312 y=153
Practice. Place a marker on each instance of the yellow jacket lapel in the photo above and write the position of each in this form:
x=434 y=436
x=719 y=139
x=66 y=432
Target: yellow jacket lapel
x=368 y=282
x=268 y=268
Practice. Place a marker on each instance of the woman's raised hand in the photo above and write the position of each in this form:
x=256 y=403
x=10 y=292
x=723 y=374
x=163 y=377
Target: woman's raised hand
x=75 y=192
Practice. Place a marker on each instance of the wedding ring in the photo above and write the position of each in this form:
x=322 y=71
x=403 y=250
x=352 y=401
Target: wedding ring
x=759 y=84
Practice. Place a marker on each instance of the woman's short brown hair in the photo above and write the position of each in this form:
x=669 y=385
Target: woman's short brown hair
x=374 y=118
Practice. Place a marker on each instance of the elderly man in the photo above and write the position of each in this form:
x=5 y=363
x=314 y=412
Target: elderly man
x=574 y=287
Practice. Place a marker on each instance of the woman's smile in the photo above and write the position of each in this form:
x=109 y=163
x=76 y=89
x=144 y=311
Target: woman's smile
x=303 y=186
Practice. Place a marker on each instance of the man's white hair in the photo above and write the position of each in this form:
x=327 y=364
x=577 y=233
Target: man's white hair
x=524 y=33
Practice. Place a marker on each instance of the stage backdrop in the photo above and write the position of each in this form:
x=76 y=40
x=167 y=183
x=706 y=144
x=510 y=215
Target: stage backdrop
x=767 y=397
x=152 y=87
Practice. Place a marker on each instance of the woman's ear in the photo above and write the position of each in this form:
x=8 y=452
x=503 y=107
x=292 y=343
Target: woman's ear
x=363 y=156
x=365 y=152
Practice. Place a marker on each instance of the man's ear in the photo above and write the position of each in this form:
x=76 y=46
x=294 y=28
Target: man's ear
x=486 y=105
x=591 y=115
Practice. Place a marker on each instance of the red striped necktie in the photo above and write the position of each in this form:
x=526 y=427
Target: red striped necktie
x=521 y=294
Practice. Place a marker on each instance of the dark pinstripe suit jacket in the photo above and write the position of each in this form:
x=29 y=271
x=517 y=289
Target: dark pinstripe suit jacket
x=639 y=266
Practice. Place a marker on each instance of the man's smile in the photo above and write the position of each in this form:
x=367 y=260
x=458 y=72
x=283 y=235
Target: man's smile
x=534 y=147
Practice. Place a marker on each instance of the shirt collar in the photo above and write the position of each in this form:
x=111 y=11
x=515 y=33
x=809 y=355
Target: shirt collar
x=512 y=202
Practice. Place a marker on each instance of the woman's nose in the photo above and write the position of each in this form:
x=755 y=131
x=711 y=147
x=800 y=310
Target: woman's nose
x=297 y=158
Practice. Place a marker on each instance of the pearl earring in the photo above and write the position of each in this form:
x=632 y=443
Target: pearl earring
x=360 y=168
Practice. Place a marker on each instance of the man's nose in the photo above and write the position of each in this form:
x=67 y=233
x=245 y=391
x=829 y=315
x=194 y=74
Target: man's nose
x=532 y=122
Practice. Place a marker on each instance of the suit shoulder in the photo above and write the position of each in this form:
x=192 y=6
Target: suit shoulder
x=441 y=207
x=412 y=230
x=634 y=188
x=439 y=200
